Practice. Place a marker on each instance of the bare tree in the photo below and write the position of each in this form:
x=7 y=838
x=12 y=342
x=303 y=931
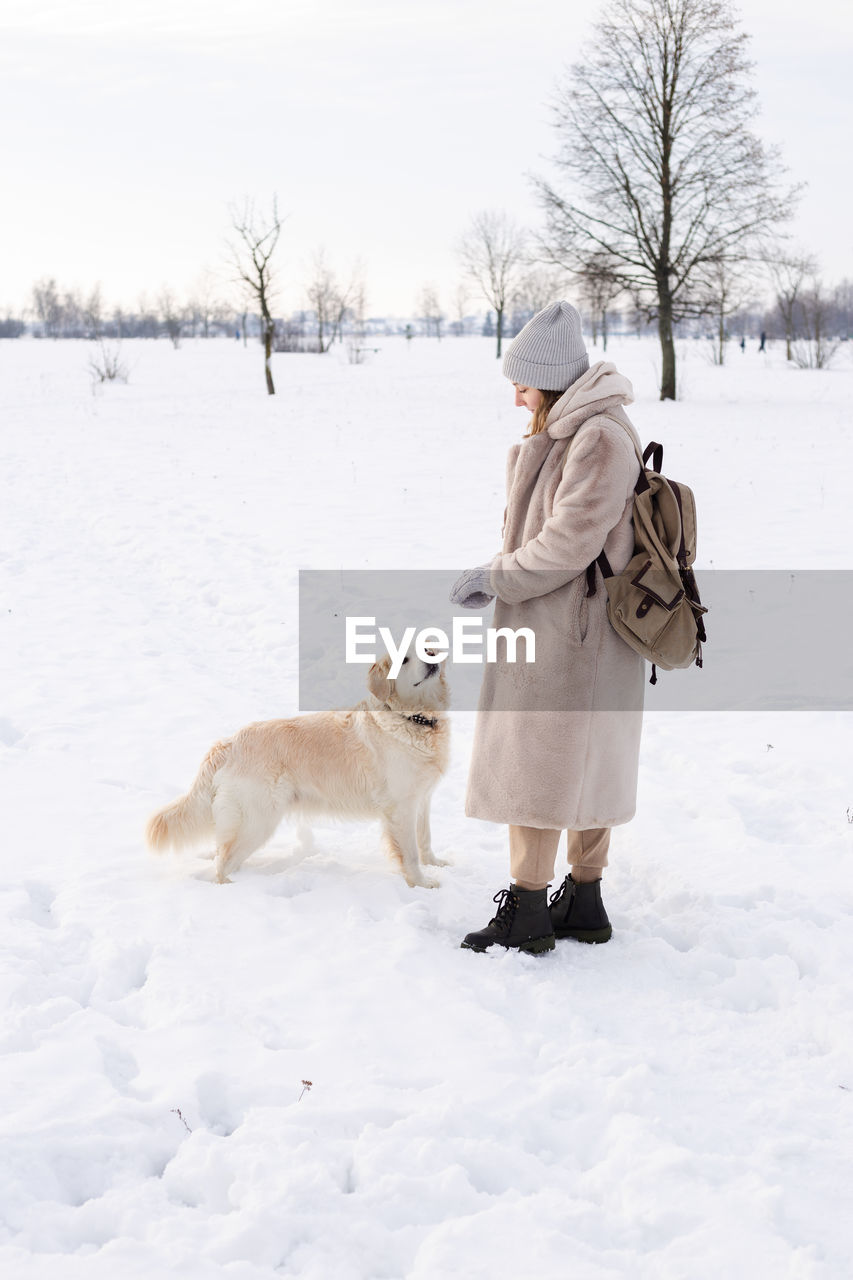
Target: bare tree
x=60 y=315
x=350 y=301
x=538 y=288
x=356 y=346
x=728 y=291
x=358 y=304
x=638 y=320
x=352 y=304
x=653 y=124
x=430 y=310
x=73 y=324
x=844 y=306
x=323 y=294
x=146 y=321
x=171 y=316
x=815 y=345
x=789 y=273
x=599 y=288
x=492 y=253
x=223 y=318
x=204 y=304
x=48 y=307
x=460 y=307
x=252 y=260
x=330 y=300
x=93 y=313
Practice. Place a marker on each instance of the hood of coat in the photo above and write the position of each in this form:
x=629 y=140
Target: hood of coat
x=599 y=390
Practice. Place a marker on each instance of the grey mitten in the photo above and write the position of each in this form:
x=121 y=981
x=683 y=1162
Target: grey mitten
x=473 y=588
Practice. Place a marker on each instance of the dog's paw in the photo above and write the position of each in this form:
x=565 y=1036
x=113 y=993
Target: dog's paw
x=422 y=882
x=430 y=860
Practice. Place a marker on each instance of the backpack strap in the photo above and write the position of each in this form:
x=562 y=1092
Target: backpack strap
x=606 y=572
x=654 y=451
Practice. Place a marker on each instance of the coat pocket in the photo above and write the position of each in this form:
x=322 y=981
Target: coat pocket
x=579 y=625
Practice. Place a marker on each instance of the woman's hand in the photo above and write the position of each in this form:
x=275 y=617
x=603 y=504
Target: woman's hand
x=473 y=588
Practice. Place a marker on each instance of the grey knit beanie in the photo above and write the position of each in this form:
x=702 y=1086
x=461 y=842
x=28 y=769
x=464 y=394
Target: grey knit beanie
x=549 y=352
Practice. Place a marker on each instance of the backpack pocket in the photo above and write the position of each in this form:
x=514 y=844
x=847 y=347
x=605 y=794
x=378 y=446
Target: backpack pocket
x=650 y=610
x=658 y=587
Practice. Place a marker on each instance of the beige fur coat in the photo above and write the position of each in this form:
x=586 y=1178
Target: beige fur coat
x=557 y=742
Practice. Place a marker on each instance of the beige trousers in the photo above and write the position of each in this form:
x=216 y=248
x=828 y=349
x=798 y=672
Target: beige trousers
x=533 y=853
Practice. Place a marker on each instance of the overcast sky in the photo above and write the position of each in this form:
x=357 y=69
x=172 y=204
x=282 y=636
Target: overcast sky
x=129 y=127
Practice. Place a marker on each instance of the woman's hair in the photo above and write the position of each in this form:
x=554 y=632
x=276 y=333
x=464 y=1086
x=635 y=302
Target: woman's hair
x=540 y=414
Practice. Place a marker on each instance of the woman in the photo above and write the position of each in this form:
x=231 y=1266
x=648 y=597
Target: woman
x=557 y=740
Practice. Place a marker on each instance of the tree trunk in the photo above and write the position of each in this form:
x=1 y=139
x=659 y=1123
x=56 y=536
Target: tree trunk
x=604 y=330
x=667 y=346
x=268 y=358
x=722 y=332
x=500 y=315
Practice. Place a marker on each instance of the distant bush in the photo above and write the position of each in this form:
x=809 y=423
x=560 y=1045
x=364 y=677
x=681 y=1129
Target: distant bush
x=815 y=343
x=107 y=365
x=290 y=335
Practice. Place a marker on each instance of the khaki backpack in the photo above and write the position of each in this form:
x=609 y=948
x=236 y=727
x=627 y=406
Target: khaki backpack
x=654 y=602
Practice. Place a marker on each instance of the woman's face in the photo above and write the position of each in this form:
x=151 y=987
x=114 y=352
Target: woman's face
x=527 y=397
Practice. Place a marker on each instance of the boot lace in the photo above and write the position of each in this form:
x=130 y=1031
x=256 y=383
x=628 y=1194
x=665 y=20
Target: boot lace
x=568 y=886
x=507 y=903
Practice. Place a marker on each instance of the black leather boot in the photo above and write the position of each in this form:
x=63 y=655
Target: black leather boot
x=578 y=912
x=522 y=920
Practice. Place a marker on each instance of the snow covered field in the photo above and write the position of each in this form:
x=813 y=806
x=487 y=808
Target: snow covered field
x=675 y=1105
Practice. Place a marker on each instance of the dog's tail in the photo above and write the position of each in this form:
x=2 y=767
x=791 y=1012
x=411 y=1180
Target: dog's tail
x=190 y=817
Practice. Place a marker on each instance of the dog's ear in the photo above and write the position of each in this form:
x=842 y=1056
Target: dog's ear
x=377 y=680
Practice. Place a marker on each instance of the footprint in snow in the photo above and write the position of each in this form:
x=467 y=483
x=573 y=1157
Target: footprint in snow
x=120 y=1066
x=41 y=900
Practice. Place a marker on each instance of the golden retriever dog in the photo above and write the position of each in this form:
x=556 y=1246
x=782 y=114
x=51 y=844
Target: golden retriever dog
x=378 y=760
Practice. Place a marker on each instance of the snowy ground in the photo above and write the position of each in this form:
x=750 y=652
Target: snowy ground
x=673 y=1106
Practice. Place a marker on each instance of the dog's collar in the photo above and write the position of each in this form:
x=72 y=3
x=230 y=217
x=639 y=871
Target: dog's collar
x=417 y=718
